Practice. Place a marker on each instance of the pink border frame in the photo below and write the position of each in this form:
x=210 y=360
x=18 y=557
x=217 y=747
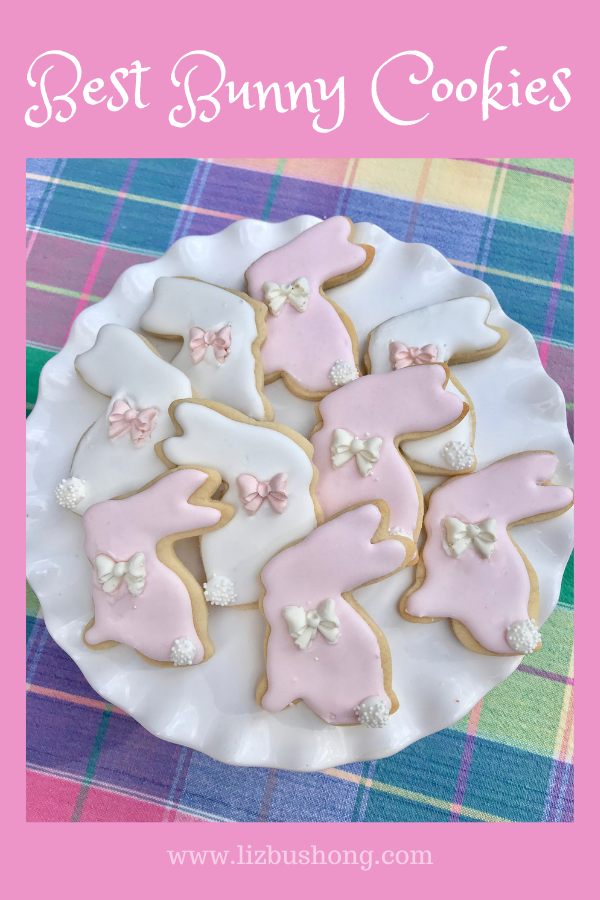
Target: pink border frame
x=272 y=42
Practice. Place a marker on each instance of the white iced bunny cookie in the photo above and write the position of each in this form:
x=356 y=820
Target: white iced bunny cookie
x=222 y=334
x=116 y=455
x=455 y=331
x=270 y=484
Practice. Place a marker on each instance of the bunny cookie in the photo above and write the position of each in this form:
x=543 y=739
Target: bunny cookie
x=116 y=455
x=311 y=343
x=321 y=646
x=470 y=570
x=143 y=595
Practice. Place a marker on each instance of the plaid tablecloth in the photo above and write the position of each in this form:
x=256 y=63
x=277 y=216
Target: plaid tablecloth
x=508 y=221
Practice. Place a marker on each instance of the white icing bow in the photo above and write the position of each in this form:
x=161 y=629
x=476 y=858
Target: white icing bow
x=276 y=295
x=346 y=445
x=303 y=625
x=111 y=573
x=460 y=536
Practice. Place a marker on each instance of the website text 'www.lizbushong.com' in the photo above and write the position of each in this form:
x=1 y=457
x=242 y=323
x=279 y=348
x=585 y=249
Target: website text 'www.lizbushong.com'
x=270 y=856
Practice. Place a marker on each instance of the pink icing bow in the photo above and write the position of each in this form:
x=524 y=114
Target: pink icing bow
x=402 y=356
x=219 y=340
x=253 y=492
x=139 y=423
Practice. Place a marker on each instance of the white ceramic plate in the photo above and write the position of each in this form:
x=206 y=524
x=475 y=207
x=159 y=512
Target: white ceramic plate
x=212 y=707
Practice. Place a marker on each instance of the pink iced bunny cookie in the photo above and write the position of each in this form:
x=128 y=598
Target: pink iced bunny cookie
x=470 y=570
x=311 y=343
x=362 y=424
x=321 y=646
x=143 y=595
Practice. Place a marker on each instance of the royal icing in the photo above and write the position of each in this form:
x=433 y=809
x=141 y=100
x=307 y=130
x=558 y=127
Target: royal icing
x=221 y=348
x=458 y=536
x=69 y=492
x=183 y=652
x=254 y=492
x=220 y=591
x=523 y=637
x=452 y=450
x=373 y=712
x=272 y=466
x=320 y=648
x=473 y=572
x=458 y=455
x=200 y=340
x=342 y=372
x=308 y=342
x=137 y=424
x=111 y=574
x=346 y=446
x=116 y=455
x=441 y=332
x=355 y=449
x=138 y=599
x=296 y=294
x=402 y=356
x=303 y=625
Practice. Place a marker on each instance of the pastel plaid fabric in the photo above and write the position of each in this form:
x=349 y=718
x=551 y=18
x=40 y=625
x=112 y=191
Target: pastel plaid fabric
x=507 y=221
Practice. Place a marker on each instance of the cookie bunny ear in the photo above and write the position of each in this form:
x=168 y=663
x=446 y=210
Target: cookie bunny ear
x=369 y=552
x=515 y=489
x=311 y=343
x=122 y=362
x=368 y=555
x=532 y=495
x=181 y=498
